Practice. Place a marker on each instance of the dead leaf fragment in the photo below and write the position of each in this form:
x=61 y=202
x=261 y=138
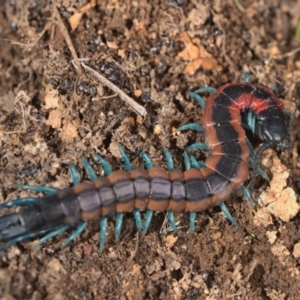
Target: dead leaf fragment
x=69 y=132
x=280 y=200
x=54 y=119
x=196 y=55
x=296 y=251
x=75 y=19
x=51 y=99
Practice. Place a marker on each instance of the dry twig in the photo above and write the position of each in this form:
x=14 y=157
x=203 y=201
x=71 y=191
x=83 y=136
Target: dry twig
x=67 y=38
x=128 y=100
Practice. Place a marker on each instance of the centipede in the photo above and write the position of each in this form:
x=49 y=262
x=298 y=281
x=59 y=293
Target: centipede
x=149 y=189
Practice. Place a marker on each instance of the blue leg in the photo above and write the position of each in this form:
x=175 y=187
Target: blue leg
x=103 y=227
x=259 y=171
x=138 y=219
x=170 y=162
x=192 y=221
x=192 y=126
x=105 y=164
x=198 y=98
x=74 y=234
x=251 y=121
x=171 y=219
x=195 y=146
x=127 y=163
x=170 y=167
x=39 y=189
x=147 y=160
x=246 y=126
x=51 y=234
x=246 y=77
x=119 y=216
x=149 y=214
x=248 y=195
x=197 y=164
x=186 y=159
x=274 y=89
x=74 y=174
x=19 y=202
x=91 y=173
x=119 y=221
x=252 y=153
x=206 y=89
x=23 y=237
x=228 y=214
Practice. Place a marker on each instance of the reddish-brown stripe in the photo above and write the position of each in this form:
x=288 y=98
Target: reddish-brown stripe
x=83 y=186
x=118 y=175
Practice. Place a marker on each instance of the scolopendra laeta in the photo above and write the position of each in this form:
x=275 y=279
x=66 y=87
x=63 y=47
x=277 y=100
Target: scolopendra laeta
x=201 y=186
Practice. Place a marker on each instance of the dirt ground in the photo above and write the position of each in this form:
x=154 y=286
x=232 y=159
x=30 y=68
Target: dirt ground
x=53 y=112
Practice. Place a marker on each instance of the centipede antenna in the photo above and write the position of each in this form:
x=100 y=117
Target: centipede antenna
x=186 y=159
x=103 y=228
x=198 y=98
x=256 y=160
x=228 y=214
x=191 y=126
x=148 y=218
x=138 y=219
x=39 y=189
x=50 y=235
x=19 y=202
x=246 y=77
x=192 y=221
x=169 y=159
x=119 y=221
x=147 y=160
x=248 y=195
x=23 y=237
x=127 y=163
x=105 y=164
x=74 y=234
x=196 y=146
x=171 y=219
x=74 y=174
x=91 y=173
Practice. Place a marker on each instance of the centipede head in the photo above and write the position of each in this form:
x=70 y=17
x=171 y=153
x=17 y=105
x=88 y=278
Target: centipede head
x=274 y=131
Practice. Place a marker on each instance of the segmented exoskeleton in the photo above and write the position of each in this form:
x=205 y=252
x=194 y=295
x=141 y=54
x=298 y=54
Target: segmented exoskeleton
x=200 y=186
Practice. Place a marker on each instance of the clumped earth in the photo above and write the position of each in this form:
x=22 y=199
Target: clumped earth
x=53 y=112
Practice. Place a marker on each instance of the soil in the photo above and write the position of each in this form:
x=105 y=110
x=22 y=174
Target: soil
x=53 y=112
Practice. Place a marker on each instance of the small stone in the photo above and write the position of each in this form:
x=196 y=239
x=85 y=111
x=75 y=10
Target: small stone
x=296 y=251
